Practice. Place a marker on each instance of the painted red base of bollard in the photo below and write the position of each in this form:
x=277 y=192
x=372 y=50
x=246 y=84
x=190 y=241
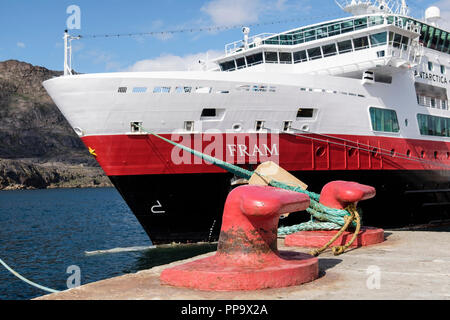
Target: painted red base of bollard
x=316 y=239
x=217 y=274
x=247 y=257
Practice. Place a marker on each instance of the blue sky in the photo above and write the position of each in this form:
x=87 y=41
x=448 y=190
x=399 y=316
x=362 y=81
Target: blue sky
x=32 y=30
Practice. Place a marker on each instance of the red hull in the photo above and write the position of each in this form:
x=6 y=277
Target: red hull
x=145 y=155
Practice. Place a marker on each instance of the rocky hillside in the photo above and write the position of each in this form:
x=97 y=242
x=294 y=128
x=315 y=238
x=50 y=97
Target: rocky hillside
x=38 y=148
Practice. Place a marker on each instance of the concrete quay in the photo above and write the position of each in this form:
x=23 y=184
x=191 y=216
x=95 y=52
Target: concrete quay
x=407 y=265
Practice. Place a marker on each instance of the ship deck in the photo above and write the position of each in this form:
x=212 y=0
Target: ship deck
x=411 y=264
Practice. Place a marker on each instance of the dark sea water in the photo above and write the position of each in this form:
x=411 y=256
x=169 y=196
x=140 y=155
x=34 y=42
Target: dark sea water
x=43 y=232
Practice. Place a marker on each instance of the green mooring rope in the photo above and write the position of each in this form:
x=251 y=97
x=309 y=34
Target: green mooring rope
x=322 y=217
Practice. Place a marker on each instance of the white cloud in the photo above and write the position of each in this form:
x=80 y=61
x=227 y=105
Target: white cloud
x=169 y=62
x=240 y=12
x=231 y=12
x=99 y=57
x=21 y=44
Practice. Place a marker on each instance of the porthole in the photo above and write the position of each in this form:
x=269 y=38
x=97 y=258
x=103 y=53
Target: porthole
x=436 y=154
x=422 y=154
x=320 y=151
x=393 y=153
x=448 y=155
x=408 y=153
x=78 y=131
x=237 y=127
x=351 y=152
x=305 y=127
x=374 y=152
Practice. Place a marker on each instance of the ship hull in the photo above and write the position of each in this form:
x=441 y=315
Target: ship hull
x=184 y=202
x=189 y=207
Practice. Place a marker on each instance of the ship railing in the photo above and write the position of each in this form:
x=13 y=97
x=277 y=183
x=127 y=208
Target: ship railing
x=252 y=42
x=407 y=53
x=305 y=35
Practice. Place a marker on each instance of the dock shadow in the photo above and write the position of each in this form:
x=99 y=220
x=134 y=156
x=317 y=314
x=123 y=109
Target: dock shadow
x=387 y=235
x=162 y=255
x=326 y=264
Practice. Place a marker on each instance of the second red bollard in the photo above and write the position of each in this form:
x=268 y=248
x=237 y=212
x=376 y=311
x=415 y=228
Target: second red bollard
x=338 y=195
x=247 y=256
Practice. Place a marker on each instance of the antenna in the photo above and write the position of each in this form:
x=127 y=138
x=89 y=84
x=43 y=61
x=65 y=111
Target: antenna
x=68 y=52
x=246 y=31
x=404 y=10
x=360 y=7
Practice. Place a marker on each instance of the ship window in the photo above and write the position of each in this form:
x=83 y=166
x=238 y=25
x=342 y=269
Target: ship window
x=429 y=37
x=314 y=53
x=442 y=41
x=286 y=39
x=305 y=113
x=208 y=112
x=183 y=89
x=405 y=41
x=378 y=39
x=285 y=57
x=135 y=127
x=287 y=125
x=203 y=90
x=442 y=69
x=361 y=43
x=259 y=125
x=240 y=63
x=271 y=57
x=334 y=30
x=300 y=56
x=446 y=44
x=397 y=40
x=299 y=38
x=329 y=50
x=430 y=65
x=345 y=46
x=423 y=33
x=122 y=90
x=433 y=126
x=384 y=120
x=347 y=26
x=361 y=23
x=381 y=54
x=435 y=39
x=254 y=59
x=161 y=89
x=322 y=32
x=228 y=66
x=139 y=89
x=189 y=126
x=375 y=20
x=310 y=35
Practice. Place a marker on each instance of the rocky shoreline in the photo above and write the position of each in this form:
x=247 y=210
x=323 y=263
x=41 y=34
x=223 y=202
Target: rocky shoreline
x=38 y=148
x=25 y=175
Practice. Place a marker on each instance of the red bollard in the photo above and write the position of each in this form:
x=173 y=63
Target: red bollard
x=247 y=256
x=338 y=195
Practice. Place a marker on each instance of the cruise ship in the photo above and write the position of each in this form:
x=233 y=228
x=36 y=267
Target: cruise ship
x=361 y=98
